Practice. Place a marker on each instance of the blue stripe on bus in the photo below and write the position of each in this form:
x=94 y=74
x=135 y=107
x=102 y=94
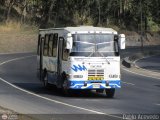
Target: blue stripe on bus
x=74 y=84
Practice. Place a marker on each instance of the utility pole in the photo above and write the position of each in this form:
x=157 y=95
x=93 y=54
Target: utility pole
x=141 y=25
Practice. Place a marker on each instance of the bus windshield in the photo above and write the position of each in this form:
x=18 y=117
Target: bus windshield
x=94 y=45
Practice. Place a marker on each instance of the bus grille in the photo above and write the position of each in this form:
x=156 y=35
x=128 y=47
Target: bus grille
x=95 y=74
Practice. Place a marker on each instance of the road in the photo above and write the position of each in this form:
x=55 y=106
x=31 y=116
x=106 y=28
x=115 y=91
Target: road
x=150 y=63
x=21 y=91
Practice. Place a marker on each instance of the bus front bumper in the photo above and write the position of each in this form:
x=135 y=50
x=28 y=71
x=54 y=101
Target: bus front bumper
x=94 y=84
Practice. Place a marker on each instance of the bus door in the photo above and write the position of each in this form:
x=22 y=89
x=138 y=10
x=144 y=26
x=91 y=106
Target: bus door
x=40 y=56
x=59 y=60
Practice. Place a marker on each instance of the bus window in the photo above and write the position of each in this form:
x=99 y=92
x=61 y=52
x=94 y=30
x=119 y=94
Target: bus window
x=45 y=47
x=55 y=39
x=50 y=45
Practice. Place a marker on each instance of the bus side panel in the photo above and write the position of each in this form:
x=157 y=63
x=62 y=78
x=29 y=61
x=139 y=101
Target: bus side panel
x=50 y=64
x=66 y=67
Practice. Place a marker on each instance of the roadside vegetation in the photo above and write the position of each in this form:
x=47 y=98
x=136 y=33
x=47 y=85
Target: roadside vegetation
x=15 y=37
x=21 y=19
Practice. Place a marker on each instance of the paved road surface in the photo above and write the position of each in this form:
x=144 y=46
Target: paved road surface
x=138 y=94
x=150 y=63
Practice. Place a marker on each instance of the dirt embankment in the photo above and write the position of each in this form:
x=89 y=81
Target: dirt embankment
x=17 y=42
x=148 y=38
x=17 y=38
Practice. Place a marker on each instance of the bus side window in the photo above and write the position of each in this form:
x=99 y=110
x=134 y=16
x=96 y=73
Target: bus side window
x=50 y=45
x=55 y=39
x=65 y=52
x=38 y=46
x=45 y=47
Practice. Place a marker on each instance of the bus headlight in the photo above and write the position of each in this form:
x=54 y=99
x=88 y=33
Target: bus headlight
x=77 y=76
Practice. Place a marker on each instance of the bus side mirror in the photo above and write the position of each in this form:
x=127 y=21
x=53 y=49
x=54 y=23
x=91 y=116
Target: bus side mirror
x=69 y=42
x=122 y=41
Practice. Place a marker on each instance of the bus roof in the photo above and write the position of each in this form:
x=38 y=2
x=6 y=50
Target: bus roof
x=82 y=29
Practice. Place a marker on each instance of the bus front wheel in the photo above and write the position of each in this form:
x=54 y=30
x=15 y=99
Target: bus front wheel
x=67 y=92
x=110 y=92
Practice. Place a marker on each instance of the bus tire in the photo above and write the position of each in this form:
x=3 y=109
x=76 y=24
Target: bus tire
x=45 y=79
x=110 y=92
x=64 y=88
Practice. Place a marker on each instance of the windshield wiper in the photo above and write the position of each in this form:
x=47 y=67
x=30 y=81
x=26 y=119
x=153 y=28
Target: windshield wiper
x=104 y=57
x=101 y=54
x=94 y=50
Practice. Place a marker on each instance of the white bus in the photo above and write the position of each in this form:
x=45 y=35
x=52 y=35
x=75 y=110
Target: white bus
x=80 y=58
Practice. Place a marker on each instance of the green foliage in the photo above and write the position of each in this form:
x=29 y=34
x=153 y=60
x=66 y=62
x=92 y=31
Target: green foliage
x=152 y=26
x=124 y=14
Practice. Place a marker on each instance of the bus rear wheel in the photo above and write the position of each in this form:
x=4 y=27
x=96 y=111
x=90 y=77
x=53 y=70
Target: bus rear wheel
x=45 y=80
x=110 y=92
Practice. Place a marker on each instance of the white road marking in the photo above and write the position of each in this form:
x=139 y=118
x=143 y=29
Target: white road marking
x=45 y=98
x=14 y=53
x=128 y=83
x=31 y=93
x=141 y=74
x=157 y=104
x=15 y=59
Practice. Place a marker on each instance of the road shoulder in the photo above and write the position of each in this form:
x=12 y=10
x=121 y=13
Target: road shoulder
x=129 y=64
x=7 y=114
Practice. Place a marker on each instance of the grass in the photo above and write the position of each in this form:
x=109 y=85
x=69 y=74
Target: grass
x=12 y=26
x=15 y=37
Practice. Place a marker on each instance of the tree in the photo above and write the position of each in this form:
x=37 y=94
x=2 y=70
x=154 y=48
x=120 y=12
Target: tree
x=9 y=4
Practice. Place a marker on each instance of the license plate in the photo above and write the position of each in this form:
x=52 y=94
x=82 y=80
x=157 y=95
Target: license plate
x=96 y=85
